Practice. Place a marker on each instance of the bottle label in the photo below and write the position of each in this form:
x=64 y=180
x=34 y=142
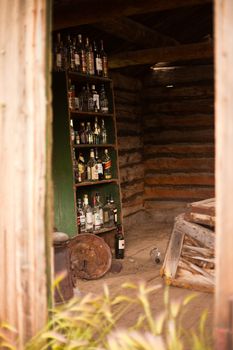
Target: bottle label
x=115 y=215
x=89 y=221
x=94 y=172
x=101 y=216
x=100 y=168
x=82 y=219
x=89 y=173
x=108 y=164
x=106 y=216
x=97 y=220
x=121 y=244
x=99 y=65
x=105 y=66
x=59 y=60
x=77 y=59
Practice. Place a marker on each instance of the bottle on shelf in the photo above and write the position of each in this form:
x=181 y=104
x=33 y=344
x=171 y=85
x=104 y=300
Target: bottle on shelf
x=104 y=60
x=59 y=54
x=97 y=222
x=107 y=165
x=77 y=138
x=81 y=168
x=81 y=217
x=90 y=100
x=96 y=132
x=82 y=67
x=103 y=133
x=88 y=214
x=72 y=132
x=97 y=61
x=103 y=100
x=83 y=100
x=89 y=58
x=92 y=168
x=72 y=49
x=71 y=97
x=119 y=243
x=114 y=209
x=100 y=166
x=108 y=214
x=82 y=133
x=76 y=56
x=100 y=206
x=96 y=98
x=89 y=134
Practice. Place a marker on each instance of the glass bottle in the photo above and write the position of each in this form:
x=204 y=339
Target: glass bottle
x=83 y=100
x=100 y=205
x=89 y=58
x=96 y=132
x=82 y=56
x=89 y=134
x=104 y=59
x=100 y=166
x=58 y=54
x=103 y=133
x=114 y=209
x=88 y=214
x=71 y=97
x=72 y=132
x=96 y=98
x=103 y=100
x=92 y=168
x=97 y=60
x=81 y=217
x=108 y=214
x=81 y=168
x=90 y=100
x=77 y=58
x=72 y=49
x=97 y=222
x=82 y=133
x=119 y=243
x=107 y=165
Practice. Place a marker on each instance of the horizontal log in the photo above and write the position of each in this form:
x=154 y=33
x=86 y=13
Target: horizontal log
x=202 y=219
x=127 y=143
x=171 y=92
x=132 y=173
x=185 y=106
x=175 y=192
x=179 y=75
x=124 y=82
x=126 y=125
x=129 y=158
x=180 y=149
x=180 y=164
x=160 y=205
x=174 y=136
x=131 y=189
x=180 y=179
x=126 y=97
x=130 y=210
x=123 y=110
x=162 y=54
x=167 y=121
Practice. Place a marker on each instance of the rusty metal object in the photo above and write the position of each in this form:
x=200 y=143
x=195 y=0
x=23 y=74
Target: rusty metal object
x=64 y=291
x=90 y=257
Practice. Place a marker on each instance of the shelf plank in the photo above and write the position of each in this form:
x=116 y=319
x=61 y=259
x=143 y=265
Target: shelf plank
x=75 y=114
x=84 y=77
x=92 y=183
x=102 y=145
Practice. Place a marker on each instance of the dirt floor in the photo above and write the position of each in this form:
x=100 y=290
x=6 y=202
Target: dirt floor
x=138 y=266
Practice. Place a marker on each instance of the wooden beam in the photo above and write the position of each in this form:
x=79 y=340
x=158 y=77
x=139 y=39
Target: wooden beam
x=24 y=170
x=132 y=31
x=92 y=11
x=165 y=54
x=224 y=171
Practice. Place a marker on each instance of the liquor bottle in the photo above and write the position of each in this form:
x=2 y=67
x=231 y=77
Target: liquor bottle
x=81 y=217
x=89 y=58
x=92 y=168
x=119 y=243
x=96 y=132
x=97 y=61
x=71 y=97
x=77 y=59
x=77 y=138
x=72 y=49
x=83 y=100
x=72 y=132
x=67 y=53
x=96 y=98
x=100 y=205
x=104 y=60
x=97 y=222
x=88 y=214
x=103 y=100
x=82 y=56
x=103 y=133
x=114 y=209
x=58 y=54
x=108 y=214
x=82 y=133
x=100 y=166
x=81 y=168
x=90 y=100
x=89 y=134
x=107 y=165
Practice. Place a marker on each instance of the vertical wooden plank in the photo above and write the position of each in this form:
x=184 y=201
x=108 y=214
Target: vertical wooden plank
x=23 y=156
x=224 y=168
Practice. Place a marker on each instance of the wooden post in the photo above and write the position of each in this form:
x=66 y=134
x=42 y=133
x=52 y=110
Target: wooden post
x=24 y=165
x=224 y=170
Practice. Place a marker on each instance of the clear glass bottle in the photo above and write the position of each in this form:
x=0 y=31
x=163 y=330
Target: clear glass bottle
x=81 y=217
x=71 y=97
x=92 y=168
x=96 y=98
x=97 y=222
x=72 y=50
x=89 y=58
x=90 y=101
x=89 y=134
x=100 y=205
x=72 y=132
x=81 y=168
x=103 y=100
x=108 y=214
x=114 y=209
x=97 y=61
x=96 y=132
x=59 y=54
x=82 y=56
x=82 y=133
x=107 y=165
x=100 y=166
x=103 y=133
x=88 y=214
x=104 y=59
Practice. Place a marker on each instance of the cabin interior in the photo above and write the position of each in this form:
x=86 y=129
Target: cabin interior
x=160 y=58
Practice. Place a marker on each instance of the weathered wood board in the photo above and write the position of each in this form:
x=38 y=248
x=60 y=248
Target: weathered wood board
x=202 y=212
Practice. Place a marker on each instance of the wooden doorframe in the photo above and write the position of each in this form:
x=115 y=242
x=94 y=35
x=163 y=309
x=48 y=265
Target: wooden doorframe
x=223 y=24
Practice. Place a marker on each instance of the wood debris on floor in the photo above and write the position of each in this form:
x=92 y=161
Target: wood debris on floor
x=190 y=258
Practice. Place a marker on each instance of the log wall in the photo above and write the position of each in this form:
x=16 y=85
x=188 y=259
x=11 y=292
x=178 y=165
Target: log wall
x=178 y=129
x=128 y=118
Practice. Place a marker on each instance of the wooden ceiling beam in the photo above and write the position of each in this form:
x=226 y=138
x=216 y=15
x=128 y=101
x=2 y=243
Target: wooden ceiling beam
x=132 y=31
x=91 y=11
x=163 y=54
